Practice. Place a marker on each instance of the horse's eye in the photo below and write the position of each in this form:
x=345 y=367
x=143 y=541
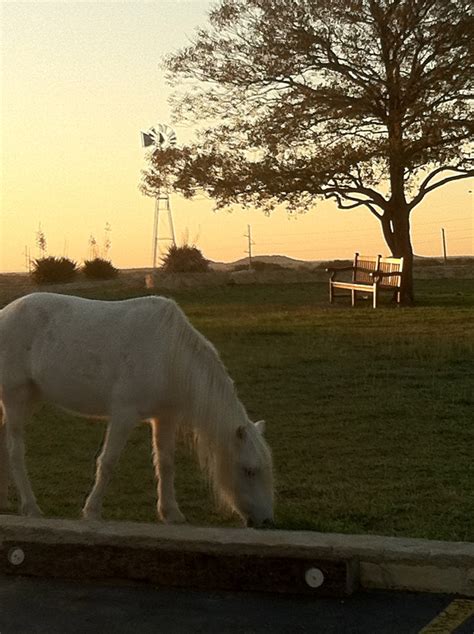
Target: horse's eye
x=249 y=472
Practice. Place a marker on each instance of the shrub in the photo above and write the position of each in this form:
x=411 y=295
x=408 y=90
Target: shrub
x=259 y=265
x=52 y=270
x=184 y=259
x=240 y=267
x=333 y=263
x=99 y=269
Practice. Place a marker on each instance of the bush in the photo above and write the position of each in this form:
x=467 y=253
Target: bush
x=99 y=269
x=52 y=270
x=259 y=265
x=240 y=267
x=333 y=263
x=184 y=259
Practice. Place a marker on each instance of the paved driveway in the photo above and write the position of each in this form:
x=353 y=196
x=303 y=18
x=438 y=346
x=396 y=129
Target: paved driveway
x=30 y=606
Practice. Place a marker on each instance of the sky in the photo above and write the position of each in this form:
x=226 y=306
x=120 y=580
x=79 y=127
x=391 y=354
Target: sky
x=79 y=81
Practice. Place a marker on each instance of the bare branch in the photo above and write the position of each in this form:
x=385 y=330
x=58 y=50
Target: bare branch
x=426 y=188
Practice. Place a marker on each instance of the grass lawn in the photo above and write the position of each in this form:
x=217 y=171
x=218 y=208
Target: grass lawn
x=369 y=413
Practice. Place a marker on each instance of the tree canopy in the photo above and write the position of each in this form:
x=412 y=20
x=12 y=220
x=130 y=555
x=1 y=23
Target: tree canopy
x=362 y=101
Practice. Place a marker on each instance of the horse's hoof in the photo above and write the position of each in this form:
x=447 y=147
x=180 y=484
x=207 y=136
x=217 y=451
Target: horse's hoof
x=33 y=511
x=90 y=515
x=173 y=517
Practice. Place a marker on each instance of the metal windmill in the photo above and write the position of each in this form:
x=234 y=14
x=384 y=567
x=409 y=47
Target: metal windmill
x=161 y=137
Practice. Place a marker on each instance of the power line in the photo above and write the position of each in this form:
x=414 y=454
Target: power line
x=361 y=231
x=344 y=234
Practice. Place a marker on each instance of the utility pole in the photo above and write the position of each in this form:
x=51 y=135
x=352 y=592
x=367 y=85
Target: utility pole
x=443 y=235
x=248 y=235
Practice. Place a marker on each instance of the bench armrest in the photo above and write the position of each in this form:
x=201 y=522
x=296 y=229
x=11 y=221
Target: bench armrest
x=334 y=270
x=386 y=274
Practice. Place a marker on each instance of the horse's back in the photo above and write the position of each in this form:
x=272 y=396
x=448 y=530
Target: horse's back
x=68 y=345
x=36 y=309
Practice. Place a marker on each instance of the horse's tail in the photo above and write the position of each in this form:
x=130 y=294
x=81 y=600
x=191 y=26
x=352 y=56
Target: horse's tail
x=4 y=470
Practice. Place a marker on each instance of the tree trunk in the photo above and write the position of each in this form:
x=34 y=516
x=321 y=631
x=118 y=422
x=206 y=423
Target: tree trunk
x=396 y=230
x=403 y=249
x=397 y=210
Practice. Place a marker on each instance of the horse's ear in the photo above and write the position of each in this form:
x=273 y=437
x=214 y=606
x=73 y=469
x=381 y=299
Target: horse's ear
x=260 y=425
x=241 y=432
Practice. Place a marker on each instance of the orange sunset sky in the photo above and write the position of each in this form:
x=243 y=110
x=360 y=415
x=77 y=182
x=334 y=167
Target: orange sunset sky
x=79 y=80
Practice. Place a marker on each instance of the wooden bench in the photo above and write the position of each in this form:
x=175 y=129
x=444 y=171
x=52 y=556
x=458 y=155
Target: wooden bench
x=370 y=274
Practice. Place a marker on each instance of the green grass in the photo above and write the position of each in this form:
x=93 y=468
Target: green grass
x=369 y=413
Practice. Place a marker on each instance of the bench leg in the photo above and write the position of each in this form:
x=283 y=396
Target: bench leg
x=353 y=297
x=331 y=294
x=374 y=301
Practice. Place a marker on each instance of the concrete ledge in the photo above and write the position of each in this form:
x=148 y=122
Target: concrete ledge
x=371 y=561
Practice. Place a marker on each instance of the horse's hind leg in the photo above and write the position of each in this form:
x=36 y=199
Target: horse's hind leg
x=4 y=470
x=164 y=440
x=16 y=409
x=118 y=431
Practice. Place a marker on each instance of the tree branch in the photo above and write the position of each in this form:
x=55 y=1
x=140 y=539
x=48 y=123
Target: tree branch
x=339 y=194
x=425 y=188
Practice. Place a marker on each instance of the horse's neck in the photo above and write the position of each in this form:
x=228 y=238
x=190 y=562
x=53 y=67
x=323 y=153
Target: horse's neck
x=208 y=400
x=217 y=410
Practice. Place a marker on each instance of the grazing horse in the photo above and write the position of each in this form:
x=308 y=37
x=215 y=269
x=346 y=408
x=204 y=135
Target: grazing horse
x=129 y=361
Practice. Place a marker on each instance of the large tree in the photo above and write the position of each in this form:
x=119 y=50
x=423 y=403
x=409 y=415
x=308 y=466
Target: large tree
x=362 y=101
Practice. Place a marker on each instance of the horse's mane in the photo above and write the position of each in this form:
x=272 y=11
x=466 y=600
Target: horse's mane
x=212 y=410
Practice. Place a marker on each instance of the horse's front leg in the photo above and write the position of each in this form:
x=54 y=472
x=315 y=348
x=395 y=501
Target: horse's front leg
x=120 y=425
x=164 y=441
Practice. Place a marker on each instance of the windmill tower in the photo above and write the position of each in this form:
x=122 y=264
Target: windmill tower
x=161 y=137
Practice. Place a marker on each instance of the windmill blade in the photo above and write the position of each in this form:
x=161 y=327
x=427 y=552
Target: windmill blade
x=147 y=139
x=167 y=134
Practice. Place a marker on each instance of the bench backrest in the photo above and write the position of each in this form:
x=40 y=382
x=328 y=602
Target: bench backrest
x=364 y=265
x=391 y=265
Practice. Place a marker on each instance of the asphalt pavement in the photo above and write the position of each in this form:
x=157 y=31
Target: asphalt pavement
x=39 y=606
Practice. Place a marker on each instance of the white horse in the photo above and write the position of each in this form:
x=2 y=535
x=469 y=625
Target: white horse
x=129 y=361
